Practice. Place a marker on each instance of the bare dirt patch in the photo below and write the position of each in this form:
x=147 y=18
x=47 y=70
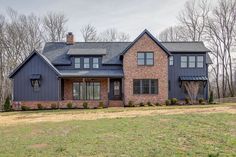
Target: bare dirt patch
x=54 y=117
x=38 y=146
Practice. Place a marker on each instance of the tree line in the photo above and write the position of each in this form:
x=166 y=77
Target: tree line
x=214 y=24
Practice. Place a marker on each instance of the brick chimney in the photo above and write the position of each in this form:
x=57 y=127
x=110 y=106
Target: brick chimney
x=70 y=38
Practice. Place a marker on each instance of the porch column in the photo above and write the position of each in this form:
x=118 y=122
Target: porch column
x=59 y=89
x=108 y=85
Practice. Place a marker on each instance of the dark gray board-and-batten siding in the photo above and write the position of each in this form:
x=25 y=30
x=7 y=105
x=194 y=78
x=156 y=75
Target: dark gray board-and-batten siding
x=23 y=91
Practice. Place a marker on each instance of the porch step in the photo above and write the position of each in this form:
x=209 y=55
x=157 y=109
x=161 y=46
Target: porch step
x=116 y=103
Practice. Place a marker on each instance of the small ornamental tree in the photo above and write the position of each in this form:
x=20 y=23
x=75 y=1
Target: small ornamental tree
x=192 y=88
x=7 y=104
x=211 y=99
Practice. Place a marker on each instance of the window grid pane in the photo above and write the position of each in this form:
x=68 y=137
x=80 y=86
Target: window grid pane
x=86 y=63
x=149 y=58
x=145 y=86
x=76 y=90
x=171 y=60
x=183 y=61
x=95 y=63
x=77 y=62
x=192 y=61
x=200 y=61
x=141 y=59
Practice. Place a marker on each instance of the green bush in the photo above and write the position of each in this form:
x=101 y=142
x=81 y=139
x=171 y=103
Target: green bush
x=54 y=106
x=85 y=105
x=25 y=108
x=7 y=104
x=101 y=104
x=157 y=104
x=69 y=105
x=187 y=100
x=149 y=103
x=211 y=99
x=201 y=100
x=173 y=101
x=131 y=104
x=40 y=106
x=141 y=104
x=167 y=102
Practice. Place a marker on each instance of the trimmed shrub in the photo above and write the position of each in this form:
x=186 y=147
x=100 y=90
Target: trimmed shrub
x=7 y=104
x=173 y=101
x=149 y=103
x=201 y=100
x=211 y=99
x=40 y=106
x=131 y=104
x=167 y=102
x=25 y=108
x=101 y=104
x=157 y=104
x=69 y=105
x=85 y=105
x=54 y=106
x=141 y=104
x=187 y=100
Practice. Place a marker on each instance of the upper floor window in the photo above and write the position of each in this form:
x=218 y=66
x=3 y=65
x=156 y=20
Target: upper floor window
x=86 y=63
x=171 y=60
x=77 y=62
x=184 y=61
x=145 y=58
x=192 y=62
x=95 y=63
x=200 y=61
x=145 y=86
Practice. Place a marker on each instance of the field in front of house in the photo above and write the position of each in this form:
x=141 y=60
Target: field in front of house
x=148 y=131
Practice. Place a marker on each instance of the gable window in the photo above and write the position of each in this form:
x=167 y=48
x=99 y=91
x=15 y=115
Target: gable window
x=145 y=86
x=171 y=60
x=35 y=80
x=95 y=63
x=200 y=61
x=86 y=63
x=145 y=58
x=192 y=62
x=183 y=62
x=77 y=62
x=86 y=90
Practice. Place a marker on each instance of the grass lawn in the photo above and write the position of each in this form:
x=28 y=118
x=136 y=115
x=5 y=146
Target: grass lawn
x=150 y=135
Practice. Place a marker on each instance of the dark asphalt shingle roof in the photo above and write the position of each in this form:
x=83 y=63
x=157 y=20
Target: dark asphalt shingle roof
x=92 y=73
x=56 y=52
x=75 y=51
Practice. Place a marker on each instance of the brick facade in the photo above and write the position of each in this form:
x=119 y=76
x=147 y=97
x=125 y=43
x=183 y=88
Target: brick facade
x=133 y=71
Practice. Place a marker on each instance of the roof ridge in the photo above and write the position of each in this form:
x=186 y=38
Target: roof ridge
x=181 y=41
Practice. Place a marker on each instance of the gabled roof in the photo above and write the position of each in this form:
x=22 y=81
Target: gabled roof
x=185 y=46
x=152 y=37
x=28 y=58
x=76 y=51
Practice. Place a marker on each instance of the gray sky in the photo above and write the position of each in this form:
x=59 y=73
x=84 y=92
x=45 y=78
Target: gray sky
x=130 y=16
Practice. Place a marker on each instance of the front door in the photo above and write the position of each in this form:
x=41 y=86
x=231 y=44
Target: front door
x=115 y=90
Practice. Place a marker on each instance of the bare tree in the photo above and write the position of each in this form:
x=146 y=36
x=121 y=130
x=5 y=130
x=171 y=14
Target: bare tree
x=194 y=18
x=54 y=25
x=176 y=33
x=111 y=35
x=89 y=33
x=192 y=88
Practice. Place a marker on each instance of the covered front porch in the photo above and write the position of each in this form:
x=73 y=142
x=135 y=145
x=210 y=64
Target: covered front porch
x=92 y=90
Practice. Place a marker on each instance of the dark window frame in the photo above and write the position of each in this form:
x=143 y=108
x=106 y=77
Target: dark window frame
x=97 y=63
x=202 y=61
x=84 y=93
x=76 y=63
x=194 y=61
x=85 y=63
x=145 y=59
x=186 y=61
x=171 y=61
x=141 y=87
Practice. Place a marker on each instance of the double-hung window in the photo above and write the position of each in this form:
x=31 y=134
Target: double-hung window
x=171 y=60
x=200 y=61
x=77 y=62
x=145 y=58
x=86 y=63
x=192 y=62
x=145 y=86
x=183 y=62
x=95 y=63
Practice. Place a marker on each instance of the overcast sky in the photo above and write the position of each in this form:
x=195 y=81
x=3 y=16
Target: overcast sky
x=130 y=16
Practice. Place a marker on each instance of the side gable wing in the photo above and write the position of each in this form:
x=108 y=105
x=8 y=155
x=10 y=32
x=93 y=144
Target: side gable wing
x=152 y=37
x=28 y=58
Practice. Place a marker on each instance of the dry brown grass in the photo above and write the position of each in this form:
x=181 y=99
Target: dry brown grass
x=32 y=117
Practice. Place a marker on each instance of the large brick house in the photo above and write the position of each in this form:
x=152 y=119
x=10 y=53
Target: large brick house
x=110 y=72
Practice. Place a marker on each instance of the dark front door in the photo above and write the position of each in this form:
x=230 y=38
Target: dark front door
x=115 y=89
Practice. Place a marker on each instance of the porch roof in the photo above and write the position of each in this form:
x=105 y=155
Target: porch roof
x=92 y=73
x=193 y=78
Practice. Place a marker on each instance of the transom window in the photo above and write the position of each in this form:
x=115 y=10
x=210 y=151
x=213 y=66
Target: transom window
x=86 y=63
x=95 y=63
x=184 y=62
x=77 y=62
x=145 y=58
x=171 y=60
x=145 y=86
x=86 y=90
x=200 y=61
x=192 y=62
